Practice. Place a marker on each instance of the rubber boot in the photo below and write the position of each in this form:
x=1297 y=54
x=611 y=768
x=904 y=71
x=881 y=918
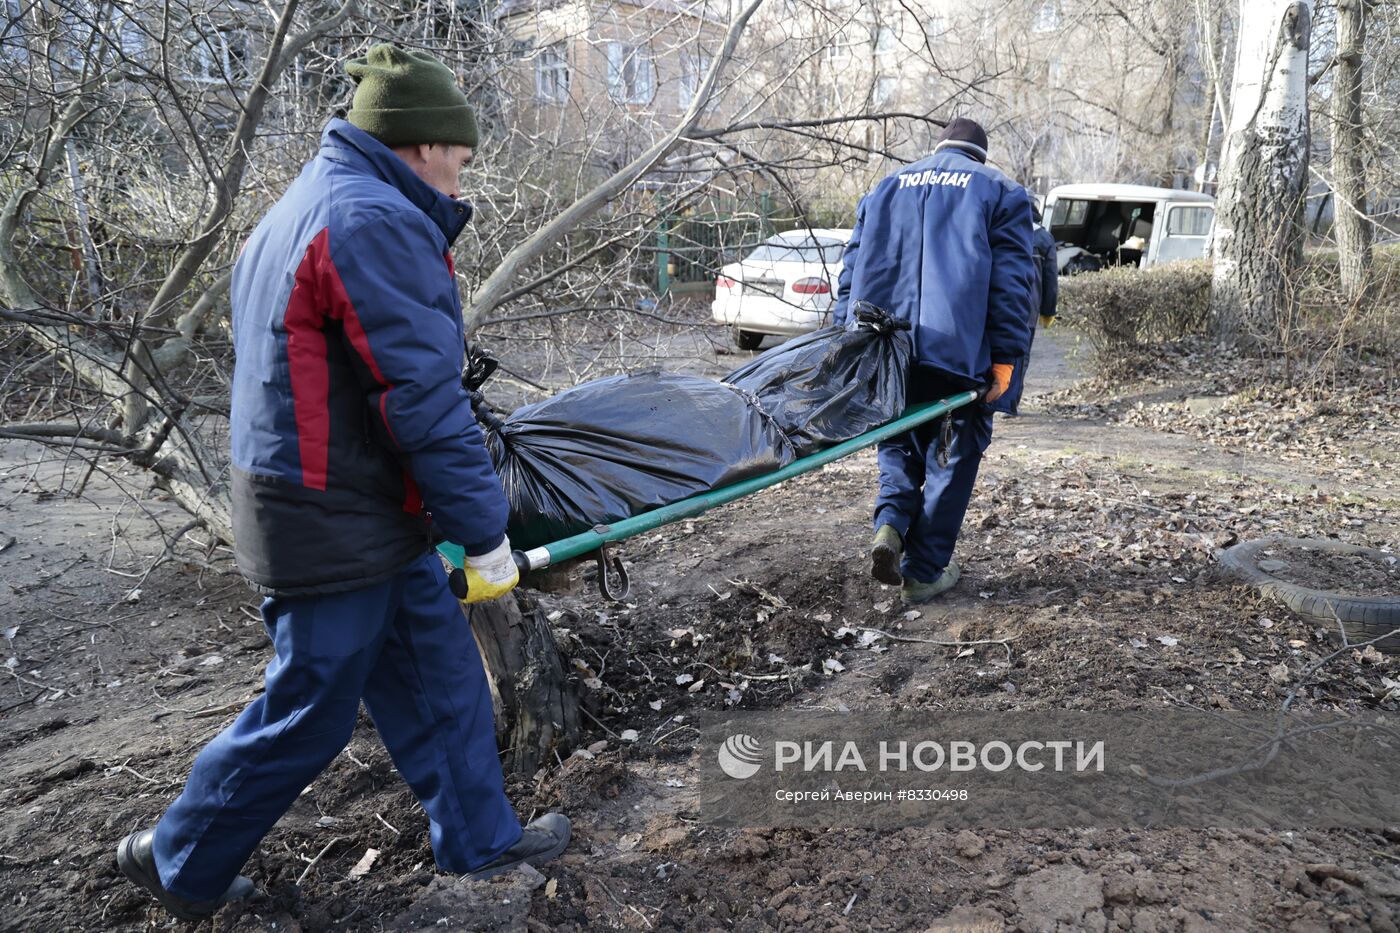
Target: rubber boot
x=917 y=593
x=885 y=553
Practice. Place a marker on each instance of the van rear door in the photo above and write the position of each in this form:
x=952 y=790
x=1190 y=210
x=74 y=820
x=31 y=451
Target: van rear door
x=1187 y=232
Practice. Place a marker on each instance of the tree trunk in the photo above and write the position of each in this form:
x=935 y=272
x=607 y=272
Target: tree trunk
x=537 y=711
x=1216 y=102
x=1208 y=135
x=1259 y=222
x=1169 y=91
x=1352 y=224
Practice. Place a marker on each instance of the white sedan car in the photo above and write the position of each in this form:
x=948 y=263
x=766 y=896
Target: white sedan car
x=787 y=286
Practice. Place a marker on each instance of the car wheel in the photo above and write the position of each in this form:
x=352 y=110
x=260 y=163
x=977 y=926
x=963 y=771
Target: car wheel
x=747 y=339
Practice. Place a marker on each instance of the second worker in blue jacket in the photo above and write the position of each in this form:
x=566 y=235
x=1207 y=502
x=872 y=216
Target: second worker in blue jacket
x=944 y=244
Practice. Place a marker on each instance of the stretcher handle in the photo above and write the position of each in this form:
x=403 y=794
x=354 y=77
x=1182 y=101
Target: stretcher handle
x=457 y=579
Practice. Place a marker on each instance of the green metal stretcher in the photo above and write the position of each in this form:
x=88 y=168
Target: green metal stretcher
x=612 y=578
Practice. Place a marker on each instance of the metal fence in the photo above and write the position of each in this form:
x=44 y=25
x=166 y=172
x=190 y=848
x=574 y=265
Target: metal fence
x=692 y=247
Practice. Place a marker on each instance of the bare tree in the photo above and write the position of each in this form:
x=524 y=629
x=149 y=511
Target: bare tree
x=1353 y=224
x=1264 y=174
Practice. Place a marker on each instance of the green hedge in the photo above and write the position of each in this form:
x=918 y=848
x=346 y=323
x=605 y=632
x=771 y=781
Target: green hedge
x=1121 y=309
x=1124 y=312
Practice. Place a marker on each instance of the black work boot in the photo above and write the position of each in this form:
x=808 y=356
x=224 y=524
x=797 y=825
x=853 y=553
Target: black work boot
x=885 y=553
x=138 y=862
x=542 y=840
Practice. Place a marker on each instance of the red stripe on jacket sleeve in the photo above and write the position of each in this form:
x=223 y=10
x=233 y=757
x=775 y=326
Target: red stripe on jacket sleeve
x=343 y=309
x=308 y=370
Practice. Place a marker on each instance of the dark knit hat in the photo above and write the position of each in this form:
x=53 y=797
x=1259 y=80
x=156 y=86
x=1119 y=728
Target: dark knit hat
x=967 y=135
x=405 y=98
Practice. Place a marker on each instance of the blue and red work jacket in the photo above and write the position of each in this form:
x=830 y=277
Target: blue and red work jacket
x=349 y=421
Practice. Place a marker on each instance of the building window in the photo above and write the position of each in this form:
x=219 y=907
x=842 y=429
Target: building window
x=886 y=41
x=631 y=77
x=14 y=44
x=1047 y=17
x=131 y=35
x=552 y=73
x=986 y=27
x=885 y=87
x=693 y=71
x=219 y=55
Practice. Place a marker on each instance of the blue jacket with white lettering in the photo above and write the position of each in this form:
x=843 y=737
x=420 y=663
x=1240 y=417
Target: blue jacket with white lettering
x=945 y=244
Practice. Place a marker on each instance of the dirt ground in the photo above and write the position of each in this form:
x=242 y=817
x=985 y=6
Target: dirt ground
x=1089 y=545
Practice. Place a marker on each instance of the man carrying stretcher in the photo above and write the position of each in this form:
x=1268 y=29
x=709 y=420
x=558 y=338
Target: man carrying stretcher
x=944 y=244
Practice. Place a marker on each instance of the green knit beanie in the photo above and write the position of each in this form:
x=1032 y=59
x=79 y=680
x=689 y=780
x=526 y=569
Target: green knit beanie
x=404 y=98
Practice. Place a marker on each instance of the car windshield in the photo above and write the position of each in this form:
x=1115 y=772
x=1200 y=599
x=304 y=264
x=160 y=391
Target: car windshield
x=818 y=250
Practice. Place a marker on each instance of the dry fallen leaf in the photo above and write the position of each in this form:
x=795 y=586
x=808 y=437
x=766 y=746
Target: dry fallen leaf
x=365 y=863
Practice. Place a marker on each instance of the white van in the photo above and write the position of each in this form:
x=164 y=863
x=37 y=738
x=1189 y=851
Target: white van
x=1096 y=226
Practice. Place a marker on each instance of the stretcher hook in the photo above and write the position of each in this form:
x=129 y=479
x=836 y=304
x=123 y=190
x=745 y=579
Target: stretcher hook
x=613 y=581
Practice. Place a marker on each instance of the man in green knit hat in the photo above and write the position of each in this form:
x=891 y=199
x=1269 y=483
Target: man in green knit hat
x=354 y=448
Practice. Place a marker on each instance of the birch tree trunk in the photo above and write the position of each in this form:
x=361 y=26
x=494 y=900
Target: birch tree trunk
x=1352 y=223
x=1259 y=221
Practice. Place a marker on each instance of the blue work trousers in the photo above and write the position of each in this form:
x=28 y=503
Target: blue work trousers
x=404 y=647
x=922 y=500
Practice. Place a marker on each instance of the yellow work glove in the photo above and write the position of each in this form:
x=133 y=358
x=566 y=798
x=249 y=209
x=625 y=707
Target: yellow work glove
x=490 y=576
x=1001 y=380
x=1046 y=320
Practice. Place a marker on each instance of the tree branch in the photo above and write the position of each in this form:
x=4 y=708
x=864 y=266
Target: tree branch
x=808 y=124
x=281 y=53
x=488 y=297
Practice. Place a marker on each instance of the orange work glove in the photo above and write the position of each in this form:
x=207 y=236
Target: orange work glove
x=1001 y=380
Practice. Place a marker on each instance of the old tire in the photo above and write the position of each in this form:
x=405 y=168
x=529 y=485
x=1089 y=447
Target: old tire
x=747 y=339
x=1362 y=617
